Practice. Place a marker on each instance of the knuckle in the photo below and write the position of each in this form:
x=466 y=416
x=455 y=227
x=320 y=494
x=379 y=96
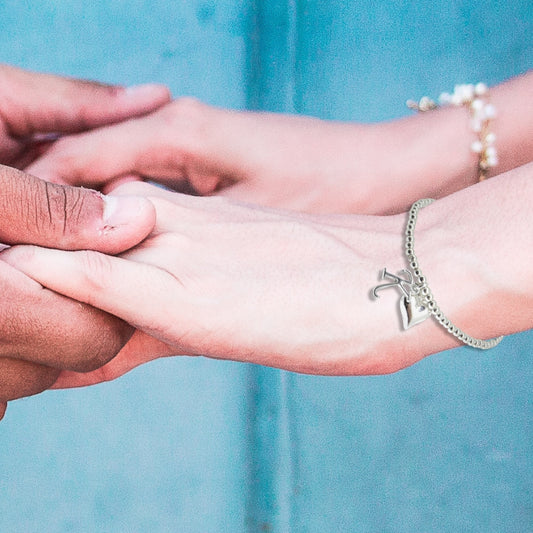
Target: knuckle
x=186 y=115
x=97 y=270
x=58 y=215
x=186 y=106
x=60 y=206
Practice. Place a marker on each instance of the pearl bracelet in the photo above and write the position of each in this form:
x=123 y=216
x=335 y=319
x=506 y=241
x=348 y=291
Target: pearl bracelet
x=475 y=97
x=417 y=303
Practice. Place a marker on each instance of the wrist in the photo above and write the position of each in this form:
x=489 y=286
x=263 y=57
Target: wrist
x=425 y=155
x=476 y=258
x=512 y=126
x=378 y=344
x=430 y=154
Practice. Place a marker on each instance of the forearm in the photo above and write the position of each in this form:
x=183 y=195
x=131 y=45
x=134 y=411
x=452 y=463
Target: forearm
x=476 y=252
x=429 y=154
x=478 y=249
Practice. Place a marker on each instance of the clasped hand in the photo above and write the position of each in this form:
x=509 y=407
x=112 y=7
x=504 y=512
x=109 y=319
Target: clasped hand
x=185 y=144
x=205 y=255
x=217 y=276
x=42 y=332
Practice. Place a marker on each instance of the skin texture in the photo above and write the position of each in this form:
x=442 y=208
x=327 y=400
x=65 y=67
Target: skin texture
x=35 y=107
x=298 y=296
x=281 y=282
x=42 y=332
x=294 y=162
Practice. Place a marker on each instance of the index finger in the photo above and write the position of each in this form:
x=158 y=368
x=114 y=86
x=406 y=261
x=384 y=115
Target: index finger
x=32 y=102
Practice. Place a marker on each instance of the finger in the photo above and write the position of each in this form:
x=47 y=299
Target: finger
x=22 y=154
x=145 y=296
x=122 y=180
x=41 y=326
x=37 y=212
x=22 y=378
x=140 y=349
x=94 y=158
x=35 y=102
x=183 y=141
x=172 y=207
x=3 y=407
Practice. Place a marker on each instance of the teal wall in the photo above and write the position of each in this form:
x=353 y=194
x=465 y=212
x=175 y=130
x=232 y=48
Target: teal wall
x=192 y=445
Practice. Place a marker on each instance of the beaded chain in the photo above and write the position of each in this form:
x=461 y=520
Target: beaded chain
x=482 y=112
x=417 y=302
x=422 y=288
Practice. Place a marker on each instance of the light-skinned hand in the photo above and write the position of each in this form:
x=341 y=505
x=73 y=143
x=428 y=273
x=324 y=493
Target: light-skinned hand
x=232 y=281
x=296 y=162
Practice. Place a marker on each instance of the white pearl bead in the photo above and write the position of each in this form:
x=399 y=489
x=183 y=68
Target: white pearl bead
x=445 y=98
x=477 y=104
x=468 y=92
x=490 y=111
x=424 y=103
x=490 y=151
x=490 y=138
x=492 y=161
x=476 y=125
x=480 y=89
x=476 y=147
x=457 y=99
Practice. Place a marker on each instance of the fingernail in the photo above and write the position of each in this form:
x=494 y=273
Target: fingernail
x=121 y=210
x=147 y=89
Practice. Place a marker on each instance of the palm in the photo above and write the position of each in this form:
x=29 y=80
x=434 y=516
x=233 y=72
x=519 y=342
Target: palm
x=140 y=349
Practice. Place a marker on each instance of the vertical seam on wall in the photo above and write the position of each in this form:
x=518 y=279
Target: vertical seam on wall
x=290 y=435
x=295 y=7
x=253 y=58
x=287 y=378
x=272 y=57
x=292 y=46
x=291 y=447
x=273 y=85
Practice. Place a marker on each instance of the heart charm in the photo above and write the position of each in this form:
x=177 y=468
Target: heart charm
x=412 y=311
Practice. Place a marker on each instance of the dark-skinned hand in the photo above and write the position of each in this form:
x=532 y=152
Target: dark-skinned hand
x=42 y=333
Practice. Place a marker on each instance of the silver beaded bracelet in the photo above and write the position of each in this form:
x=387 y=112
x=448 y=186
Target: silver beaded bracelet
x=417 y=303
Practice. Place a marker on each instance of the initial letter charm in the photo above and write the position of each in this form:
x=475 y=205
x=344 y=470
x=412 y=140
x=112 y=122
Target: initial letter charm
x=412 y=310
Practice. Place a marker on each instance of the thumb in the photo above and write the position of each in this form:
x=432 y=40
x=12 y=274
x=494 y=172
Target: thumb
x=70 y=218
x=42 y=103
x=3 y=407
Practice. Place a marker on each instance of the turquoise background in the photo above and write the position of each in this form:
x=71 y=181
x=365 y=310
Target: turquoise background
x=193 y=445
